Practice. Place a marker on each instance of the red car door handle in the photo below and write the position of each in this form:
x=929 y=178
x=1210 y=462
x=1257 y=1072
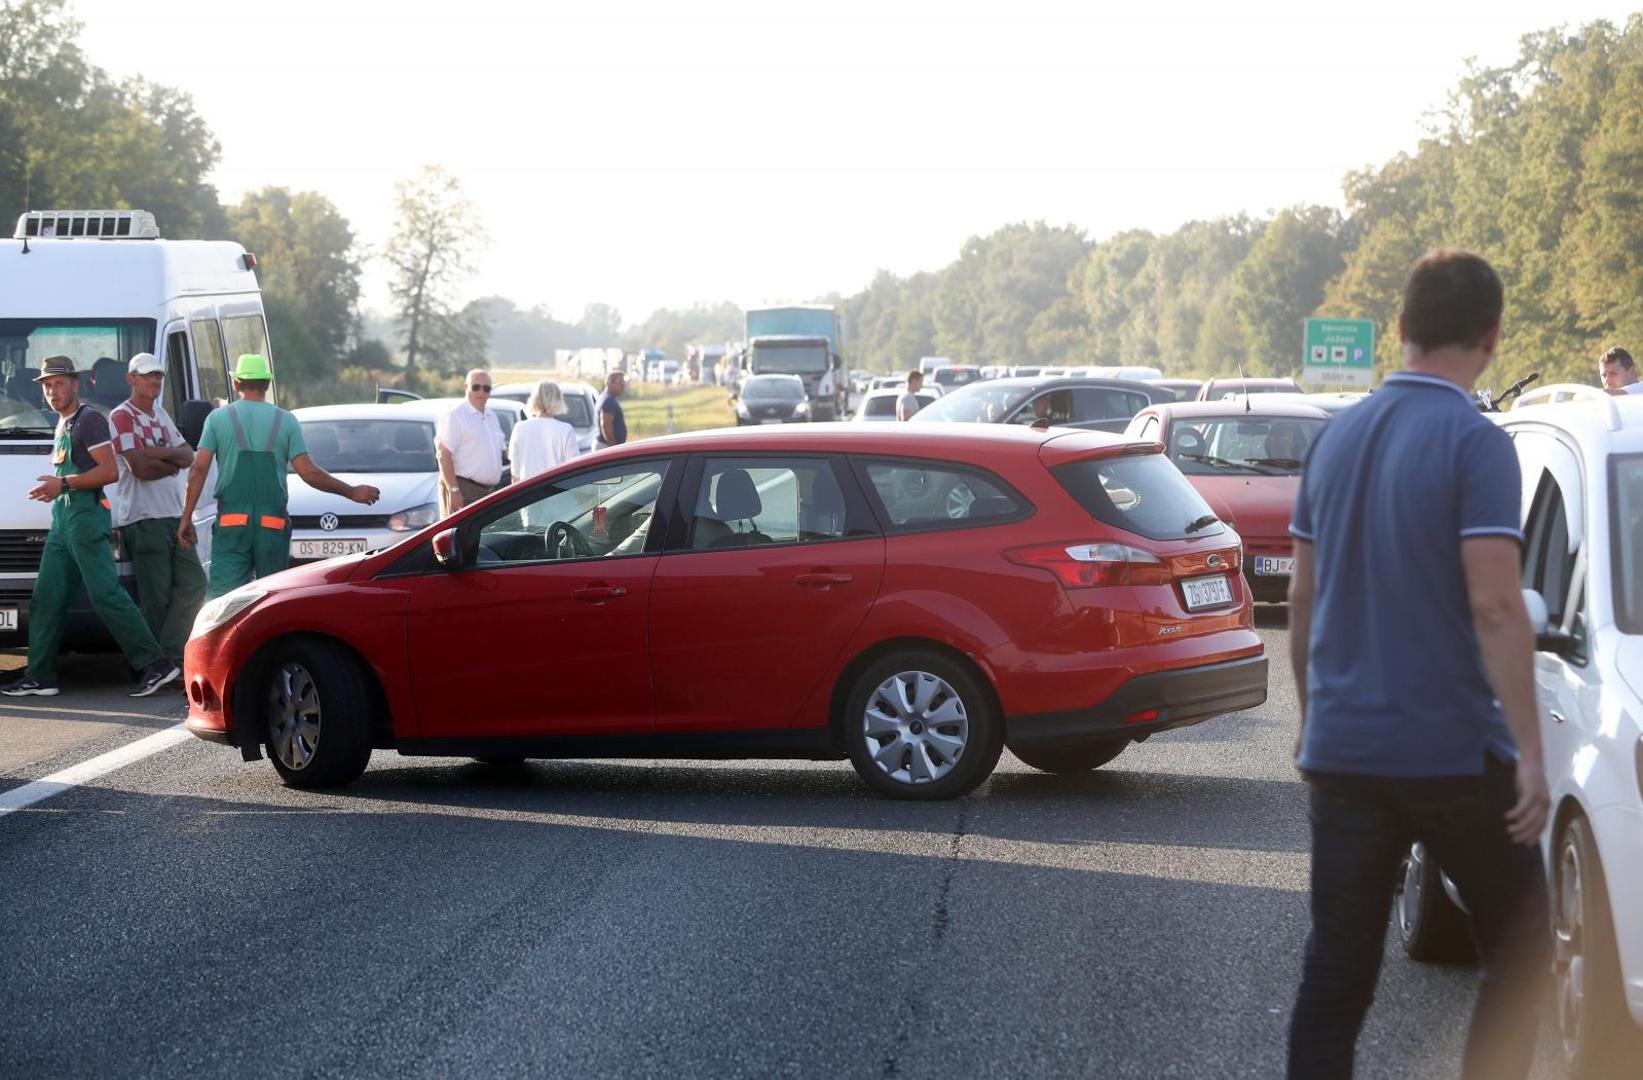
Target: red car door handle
x=821 y=579
x=596 y=593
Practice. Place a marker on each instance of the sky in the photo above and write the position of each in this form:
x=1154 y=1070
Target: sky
x=651 y=153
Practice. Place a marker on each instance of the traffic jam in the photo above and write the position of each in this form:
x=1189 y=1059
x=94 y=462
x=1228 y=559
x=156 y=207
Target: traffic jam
x=911 y=572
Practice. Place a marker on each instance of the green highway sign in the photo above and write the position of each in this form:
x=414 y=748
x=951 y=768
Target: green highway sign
x=1339 y=353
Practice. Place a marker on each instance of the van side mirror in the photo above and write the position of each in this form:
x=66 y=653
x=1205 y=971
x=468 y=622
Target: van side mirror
x=191 y=420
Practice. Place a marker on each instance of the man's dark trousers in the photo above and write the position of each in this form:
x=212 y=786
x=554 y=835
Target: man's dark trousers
x=170 y=581
x=1361 y=827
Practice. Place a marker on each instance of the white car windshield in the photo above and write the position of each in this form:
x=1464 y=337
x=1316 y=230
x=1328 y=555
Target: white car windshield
x=371 y=446
x=978 y=403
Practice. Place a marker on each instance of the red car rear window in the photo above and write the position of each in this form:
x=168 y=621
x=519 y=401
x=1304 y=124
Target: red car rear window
x=1140 y=493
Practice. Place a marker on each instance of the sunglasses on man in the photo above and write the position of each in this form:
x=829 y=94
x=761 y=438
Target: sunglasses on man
x=480 y=387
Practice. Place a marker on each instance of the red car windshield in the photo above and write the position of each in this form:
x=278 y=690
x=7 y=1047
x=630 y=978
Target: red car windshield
x=1251 y=445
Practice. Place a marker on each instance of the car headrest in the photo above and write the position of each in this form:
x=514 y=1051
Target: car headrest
x=736 y=498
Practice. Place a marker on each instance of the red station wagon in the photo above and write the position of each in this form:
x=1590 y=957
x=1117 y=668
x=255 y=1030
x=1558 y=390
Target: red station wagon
x=913 y=602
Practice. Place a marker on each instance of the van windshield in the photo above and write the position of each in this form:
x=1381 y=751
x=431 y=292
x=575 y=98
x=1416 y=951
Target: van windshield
x=100 y=349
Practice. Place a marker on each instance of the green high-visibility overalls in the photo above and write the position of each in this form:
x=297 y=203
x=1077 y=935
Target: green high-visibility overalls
x=252 y=535
x=77 y=552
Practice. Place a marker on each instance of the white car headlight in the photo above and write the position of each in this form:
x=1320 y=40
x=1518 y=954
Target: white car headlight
x=741 y=408
x=417 y=517
x=224 y=608
x=801 y=408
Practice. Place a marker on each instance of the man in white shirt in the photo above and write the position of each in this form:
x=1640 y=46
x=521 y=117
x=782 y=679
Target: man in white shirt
x=1618 y=372
x=147 y=502
x=908 y=404
x=468 y=443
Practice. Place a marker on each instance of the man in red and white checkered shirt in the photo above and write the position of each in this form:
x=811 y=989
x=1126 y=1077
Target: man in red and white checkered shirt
x=147 y=504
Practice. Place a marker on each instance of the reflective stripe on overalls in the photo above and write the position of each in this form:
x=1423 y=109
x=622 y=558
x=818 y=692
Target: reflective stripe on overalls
x=252 y=535
x=78 y=552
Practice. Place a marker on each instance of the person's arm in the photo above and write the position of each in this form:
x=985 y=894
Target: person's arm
x=1492 y=565
x=1300 y=630
x=156 y=462
x=607 y=426
x=320 y=480
x=191 y=495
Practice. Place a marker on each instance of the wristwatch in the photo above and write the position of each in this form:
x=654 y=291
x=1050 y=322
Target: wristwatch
x=66 y=488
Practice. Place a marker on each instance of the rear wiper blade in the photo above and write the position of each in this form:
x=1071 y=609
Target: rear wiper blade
x=1203 y=523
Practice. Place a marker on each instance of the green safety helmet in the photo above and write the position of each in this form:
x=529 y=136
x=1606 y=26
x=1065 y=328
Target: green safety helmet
x=252 y=366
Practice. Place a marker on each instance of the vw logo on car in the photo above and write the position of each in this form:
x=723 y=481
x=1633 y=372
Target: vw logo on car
x=329 y=522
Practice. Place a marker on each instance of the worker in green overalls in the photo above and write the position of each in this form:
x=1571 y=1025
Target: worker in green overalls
x=254 y=442
x=77 y=549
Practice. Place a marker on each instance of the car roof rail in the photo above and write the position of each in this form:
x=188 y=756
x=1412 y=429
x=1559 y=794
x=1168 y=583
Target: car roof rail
x=1561 y=392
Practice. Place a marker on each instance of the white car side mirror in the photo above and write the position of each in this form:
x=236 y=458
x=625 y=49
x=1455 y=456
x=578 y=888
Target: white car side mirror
x=1538 y=615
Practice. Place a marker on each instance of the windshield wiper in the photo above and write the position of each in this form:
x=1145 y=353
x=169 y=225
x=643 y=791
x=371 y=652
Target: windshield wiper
x=27 y=432
x=1214 y=462
x=1203 y=523
x=1276 y=462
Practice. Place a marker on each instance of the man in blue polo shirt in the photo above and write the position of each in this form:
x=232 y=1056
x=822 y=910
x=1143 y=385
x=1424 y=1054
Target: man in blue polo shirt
x=1414 y=661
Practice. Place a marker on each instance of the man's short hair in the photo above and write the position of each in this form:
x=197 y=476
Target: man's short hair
x=914 y=374
x=252 y=384
x=1617 y=355
x=1452 y=297
x=613 y=376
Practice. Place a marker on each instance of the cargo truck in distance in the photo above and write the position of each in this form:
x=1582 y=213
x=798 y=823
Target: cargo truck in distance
x=800 y=340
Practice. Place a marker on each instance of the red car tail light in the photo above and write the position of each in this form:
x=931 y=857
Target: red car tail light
x=1085 y=565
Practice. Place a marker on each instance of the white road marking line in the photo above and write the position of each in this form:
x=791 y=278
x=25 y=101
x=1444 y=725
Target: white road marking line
x=75 y=775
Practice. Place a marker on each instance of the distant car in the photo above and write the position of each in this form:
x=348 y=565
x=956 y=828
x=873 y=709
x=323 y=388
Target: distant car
x=913 y=600
x=1183 y=389
x=1025 y=371
x=1329 y=402
x=927 y=364
x=389 y=446
x=1245 y=460
x=1216 y=389
x=899 y=382
x=1097 y=371
x=772 y=399
x=954 y=376
x=1096 y=404
x=881 y=404
x=580 y=403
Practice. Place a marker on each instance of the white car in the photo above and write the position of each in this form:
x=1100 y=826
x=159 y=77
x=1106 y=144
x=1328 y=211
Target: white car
x=899 y=384
x=1581 y=453
x=388 y=446
x=581 y=402
x=881 y=404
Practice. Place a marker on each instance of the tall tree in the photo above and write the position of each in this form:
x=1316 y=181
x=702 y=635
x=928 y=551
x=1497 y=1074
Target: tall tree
x=430 y=254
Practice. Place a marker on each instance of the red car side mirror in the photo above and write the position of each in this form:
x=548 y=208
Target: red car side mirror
x=445 y=550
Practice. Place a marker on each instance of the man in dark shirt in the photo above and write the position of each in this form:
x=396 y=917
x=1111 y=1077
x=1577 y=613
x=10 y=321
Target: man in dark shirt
x=77 y=549
x=613 y=426
x=1414 y=664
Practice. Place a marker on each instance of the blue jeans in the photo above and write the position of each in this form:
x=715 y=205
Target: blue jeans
x=1361 y=827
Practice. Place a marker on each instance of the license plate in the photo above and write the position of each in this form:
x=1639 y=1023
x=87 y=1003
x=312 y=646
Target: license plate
x=1273 y=566
x=8 y=618
x=1206 y=592
x=326 y=549
x=771 y=420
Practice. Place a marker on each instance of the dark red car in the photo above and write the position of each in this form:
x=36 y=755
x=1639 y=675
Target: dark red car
x=1244 y=457
x=760 y=593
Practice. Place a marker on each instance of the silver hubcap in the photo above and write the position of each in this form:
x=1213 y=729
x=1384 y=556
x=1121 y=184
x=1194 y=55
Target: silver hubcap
x=1409 y=891
x=959 y=500
x=293 y=716
x=916 y=727
x=1569 y=943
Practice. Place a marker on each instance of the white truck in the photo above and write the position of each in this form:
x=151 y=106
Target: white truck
x=100 y=286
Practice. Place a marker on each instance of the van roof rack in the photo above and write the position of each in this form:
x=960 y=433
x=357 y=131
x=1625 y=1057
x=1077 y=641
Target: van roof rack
x=88 y=224
x=1558 y=393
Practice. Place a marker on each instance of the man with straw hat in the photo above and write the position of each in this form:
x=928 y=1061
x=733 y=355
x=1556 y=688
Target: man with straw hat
x=77 y=550
x=254 y=443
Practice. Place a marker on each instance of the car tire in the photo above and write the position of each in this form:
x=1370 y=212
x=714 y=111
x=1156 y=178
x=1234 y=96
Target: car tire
x=1430 y=926
x=316 y=712
x=920 y=725
x=1070 y=760
x=1595 y=1025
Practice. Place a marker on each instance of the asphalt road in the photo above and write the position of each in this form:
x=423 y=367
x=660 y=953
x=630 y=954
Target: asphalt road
x=188 y=915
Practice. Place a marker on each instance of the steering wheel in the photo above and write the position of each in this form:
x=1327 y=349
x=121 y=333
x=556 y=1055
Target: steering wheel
x=564 y=541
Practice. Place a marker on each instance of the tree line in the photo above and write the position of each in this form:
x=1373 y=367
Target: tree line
x=1535 y=165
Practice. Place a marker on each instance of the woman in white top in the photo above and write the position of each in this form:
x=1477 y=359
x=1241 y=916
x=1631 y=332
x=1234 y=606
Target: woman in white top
x=542 y=441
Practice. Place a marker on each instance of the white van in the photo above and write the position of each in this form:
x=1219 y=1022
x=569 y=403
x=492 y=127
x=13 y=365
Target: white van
x=100 y=286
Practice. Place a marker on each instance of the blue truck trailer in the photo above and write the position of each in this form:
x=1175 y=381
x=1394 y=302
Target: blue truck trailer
x=802 y=340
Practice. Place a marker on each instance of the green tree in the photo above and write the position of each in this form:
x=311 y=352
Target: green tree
x=1281 y=281
x=430 y=254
